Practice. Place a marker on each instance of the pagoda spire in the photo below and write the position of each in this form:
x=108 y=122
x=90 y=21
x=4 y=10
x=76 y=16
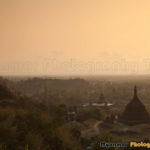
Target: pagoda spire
x=135 y=91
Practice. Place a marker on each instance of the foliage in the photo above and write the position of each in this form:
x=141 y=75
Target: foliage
x=90 y=113
x=38 y=125
x=5 y=93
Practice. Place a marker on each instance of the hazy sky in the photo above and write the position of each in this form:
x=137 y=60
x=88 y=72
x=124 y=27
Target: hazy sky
x=48 y=37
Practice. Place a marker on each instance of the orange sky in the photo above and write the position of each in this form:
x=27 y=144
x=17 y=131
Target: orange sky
x=48 y=37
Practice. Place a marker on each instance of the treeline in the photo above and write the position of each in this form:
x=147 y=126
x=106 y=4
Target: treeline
x=51 y=84
x=36 y=125
x=67 y=91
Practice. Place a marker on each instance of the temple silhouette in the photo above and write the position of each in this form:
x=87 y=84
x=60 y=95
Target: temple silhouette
x=135 y=112
x=102 y=99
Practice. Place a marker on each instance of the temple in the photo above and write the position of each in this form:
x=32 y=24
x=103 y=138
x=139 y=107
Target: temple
x=135 y=112
x=102 y=99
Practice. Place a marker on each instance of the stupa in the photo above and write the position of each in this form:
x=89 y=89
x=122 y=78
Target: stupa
x=102 y=99
x=135 y=112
